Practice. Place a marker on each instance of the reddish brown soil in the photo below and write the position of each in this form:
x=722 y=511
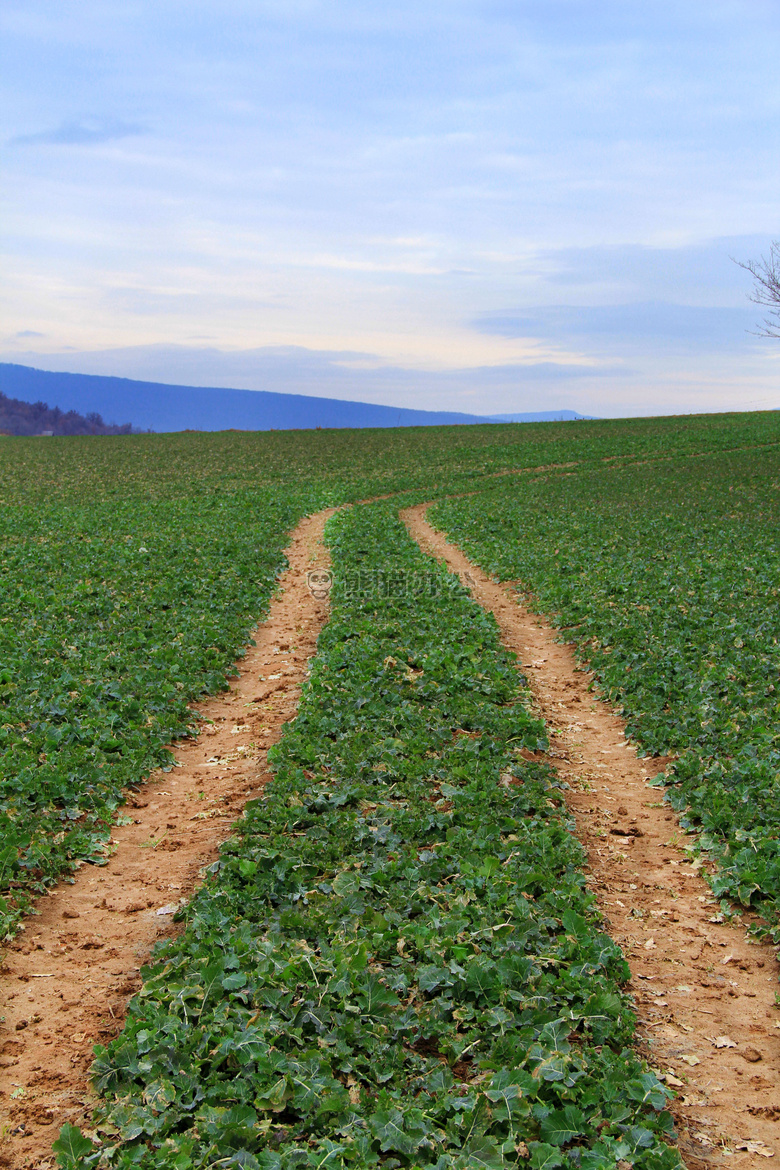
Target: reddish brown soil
x=65 y=982
x=704 y=990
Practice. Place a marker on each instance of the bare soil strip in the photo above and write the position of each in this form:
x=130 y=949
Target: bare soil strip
x=704 y=991
x=65 y=982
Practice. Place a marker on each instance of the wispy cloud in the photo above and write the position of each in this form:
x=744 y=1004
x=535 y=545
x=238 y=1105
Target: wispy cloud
x=80 y=132
x=630 y=327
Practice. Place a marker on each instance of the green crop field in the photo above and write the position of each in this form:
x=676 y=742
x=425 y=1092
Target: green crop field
x=419 y=975
x=421 y=979
x=135 y=567
x=667 y=576
x=113 y=619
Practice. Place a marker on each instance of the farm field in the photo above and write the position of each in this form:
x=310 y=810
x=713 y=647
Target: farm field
x=396 y=961
x=397 y=954
x=668 y=579
x=136 y=568
x=114 y=618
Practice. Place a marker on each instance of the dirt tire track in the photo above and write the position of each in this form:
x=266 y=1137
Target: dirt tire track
x=694 y=979
x=66 y=980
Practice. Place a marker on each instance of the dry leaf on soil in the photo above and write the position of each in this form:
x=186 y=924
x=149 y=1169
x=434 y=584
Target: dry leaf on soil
x=756 y=1148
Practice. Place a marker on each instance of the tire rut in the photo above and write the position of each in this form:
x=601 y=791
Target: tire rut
x=704 y=991
x=66 y=980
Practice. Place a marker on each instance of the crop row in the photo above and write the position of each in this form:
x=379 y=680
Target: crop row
x=114 y=618
x=668 y=579
x=396 y=960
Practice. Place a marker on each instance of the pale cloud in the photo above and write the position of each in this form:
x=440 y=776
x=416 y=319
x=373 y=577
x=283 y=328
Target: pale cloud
x=80 y=132
x=627 y=328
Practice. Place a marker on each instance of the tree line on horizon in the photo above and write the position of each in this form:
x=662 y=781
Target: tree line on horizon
x=20 y=418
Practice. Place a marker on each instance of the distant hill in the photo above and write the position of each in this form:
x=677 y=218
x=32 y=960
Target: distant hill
x=37 y=418
x=158 y=406
x=541 y=416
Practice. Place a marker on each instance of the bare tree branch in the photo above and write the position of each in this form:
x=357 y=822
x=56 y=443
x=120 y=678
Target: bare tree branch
x=766 y=288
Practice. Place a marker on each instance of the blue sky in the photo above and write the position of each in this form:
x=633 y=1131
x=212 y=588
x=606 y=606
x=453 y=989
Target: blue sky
x=483 y=206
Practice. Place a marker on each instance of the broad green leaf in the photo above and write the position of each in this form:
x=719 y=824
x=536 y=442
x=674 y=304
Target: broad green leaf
x=545 y=1156
x=71 y=1146
x=346 y=883
x=483 y=1152
x=388 y=1127
x=562 y=1125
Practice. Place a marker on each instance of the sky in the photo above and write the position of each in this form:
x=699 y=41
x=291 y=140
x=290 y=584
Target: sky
x=479 y=205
